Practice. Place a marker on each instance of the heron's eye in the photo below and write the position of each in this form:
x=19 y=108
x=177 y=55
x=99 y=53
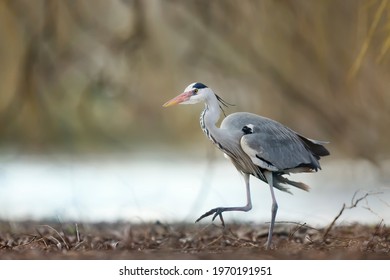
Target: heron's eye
x=195 y=91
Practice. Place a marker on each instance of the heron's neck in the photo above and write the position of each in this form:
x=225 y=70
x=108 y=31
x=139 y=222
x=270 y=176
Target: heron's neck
x=209 y=118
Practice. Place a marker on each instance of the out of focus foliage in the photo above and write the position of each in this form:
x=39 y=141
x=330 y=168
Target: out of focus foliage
x=92 y=75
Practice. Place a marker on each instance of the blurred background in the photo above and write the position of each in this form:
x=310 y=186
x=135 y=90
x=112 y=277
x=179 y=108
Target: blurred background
x=83 y=134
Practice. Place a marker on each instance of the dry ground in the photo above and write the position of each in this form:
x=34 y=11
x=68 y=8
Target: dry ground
x=52 y=240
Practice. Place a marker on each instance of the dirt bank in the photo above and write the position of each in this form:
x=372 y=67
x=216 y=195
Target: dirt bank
x=52 y=240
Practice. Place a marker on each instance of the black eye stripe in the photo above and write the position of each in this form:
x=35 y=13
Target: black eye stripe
x=199 y=86
x=247 y=130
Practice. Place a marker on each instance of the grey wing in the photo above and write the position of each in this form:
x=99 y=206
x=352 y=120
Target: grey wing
x=273 y=146
x=278 y=152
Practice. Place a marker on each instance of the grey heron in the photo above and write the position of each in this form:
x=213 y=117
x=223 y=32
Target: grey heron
x=256 y=145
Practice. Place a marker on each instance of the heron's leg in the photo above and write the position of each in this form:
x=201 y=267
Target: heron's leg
x=269 y=176
x=219 y=210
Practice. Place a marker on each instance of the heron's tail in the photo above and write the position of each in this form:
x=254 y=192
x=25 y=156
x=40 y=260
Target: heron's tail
x=316 y=147
x=280 y=181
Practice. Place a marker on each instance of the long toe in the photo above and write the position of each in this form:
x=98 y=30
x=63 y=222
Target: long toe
x=219 y=213
x=216 y=211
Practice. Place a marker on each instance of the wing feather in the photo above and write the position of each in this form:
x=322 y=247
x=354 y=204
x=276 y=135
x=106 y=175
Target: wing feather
x=273 y=146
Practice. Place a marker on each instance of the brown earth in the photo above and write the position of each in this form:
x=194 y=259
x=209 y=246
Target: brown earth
x=53 y=240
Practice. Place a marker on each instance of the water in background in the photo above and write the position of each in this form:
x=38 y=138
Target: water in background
x=146 y=189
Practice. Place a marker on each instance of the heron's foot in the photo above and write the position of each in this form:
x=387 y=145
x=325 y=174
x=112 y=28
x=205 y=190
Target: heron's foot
x=217 y=212
x=268 y=246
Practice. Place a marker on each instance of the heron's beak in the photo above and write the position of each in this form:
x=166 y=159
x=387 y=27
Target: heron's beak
x=179 y=99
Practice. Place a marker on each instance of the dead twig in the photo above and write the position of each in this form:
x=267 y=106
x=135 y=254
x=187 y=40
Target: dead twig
x=333 y=222
x=77 y=233
x=300 y=225
x=370 y=244
x=78 y=245
x=63 y=240
x=354 y=203
x=55 y=241
x=214 y=241
x=34 y=237
x=296 y=229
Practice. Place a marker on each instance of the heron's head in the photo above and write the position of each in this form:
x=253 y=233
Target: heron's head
x=194 y=93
